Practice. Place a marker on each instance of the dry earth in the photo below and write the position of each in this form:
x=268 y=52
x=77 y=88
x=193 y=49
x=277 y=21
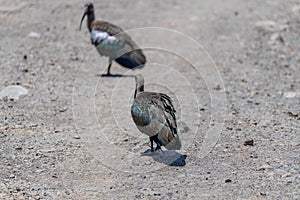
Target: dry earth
x=72 y=137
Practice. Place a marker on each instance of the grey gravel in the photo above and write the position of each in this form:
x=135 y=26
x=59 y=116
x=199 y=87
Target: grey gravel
x=46 y=153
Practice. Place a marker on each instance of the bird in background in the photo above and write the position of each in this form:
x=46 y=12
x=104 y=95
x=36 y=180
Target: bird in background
x=154 y=115
x=111 y=41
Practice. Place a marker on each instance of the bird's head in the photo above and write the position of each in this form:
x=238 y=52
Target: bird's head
x=139 y=81
x=88 y=10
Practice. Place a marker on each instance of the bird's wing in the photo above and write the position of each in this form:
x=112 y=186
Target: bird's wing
x=114 y=30
x=116 y=44
x=98 y=37
x=164 y=103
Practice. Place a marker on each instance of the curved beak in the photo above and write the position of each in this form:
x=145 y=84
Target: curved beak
x=84 y=14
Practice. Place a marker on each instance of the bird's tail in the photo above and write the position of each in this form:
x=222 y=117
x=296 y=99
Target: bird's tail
x=174 y=144
x=132 y=60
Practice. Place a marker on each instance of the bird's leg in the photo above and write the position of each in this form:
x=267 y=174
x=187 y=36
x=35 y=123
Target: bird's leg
x=158 y=148
x=108 y=69
x=151 y=140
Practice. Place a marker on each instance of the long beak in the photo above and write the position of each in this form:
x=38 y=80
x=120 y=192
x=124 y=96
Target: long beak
x=84 y=14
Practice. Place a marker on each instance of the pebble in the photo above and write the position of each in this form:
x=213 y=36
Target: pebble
x=11 y=176
x=13 y=92
x=249 y=143
x=63 y=109
x=264 y=167
x=267 y=26
x=34 y=35
x=286 y=175
x=77 y=137
x=296 y=9
x=228 y=181
x=290 y=95
x=18 y=148
x=276 y=37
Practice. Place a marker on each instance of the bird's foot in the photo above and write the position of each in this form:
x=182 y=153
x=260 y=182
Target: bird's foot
x=158 y=148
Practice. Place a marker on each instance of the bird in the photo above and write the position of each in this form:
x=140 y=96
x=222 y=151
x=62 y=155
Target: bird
x=111 y=41
x=154 y=115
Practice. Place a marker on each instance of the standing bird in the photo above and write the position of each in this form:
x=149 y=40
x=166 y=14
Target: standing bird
x=154 y=114
x=111 y=41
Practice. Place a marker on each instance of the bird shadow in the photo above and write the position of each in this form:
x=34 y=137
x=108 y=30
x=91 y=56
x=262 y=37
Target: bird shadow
x=170 y=158
x=114 y=75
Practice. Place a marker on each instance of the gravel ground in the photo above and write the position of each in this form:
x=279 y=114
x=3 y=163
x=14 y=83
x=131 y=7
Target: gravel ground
x=72 y=137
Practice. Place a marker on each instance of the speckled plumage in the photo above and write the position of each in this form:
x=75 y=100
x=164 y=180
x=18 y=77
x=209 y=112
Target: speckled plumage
x=154 y=115
x=111 y=41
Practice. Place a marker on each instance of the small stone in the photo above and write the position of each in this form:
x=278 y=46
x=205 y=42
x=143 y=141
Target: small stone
x=249 y=143
x=290 y=95
x=33 y=125
x=77 y=137
x=63 y=109
x=264 y=167
x=34 y=35
x=18 y=148
x=267 y=26
x=54 y=175
x=263 y=194
x=38 y=171
x=11 y=176
x=47 y=150
x=296 y=9
x=291 y=114
x=228 y=181
x=217 y=87
x=57 y=130
x=286 y=175
x=13 y=92
x=276 y=37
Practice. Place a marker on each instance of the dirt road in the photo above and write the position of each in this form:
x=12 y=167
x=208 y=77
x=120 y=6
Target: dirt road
x=232 y=69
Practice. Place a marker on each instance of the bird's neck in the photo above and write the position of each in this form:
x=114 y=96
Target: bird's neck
x=138 y=89
x=90 y=19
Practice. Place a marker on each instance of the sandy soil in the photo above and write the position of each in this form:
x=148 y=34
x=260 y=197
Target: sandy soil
x=232 y=69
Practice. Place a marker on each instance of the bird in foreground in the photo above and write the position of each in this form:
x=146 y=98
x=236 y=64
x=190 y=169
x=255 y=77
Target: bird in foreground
x=111 y=41
x=154 y=115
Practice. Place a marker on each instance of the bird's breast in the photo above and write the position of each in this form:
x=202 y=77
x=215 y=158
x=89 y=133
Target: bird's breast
x=140 y=115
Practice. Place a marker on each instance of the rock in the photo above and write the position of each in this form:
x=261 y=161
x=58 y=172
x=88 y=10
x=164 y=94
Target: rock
x=290 y=95
x=264 y=167
x=276 y=37
x=63 y=109
x=18 y=148
x=11 y=176
x=47 y=150
x=296 y=9
x=249 y=143
x=77 y=137
x=13 y=92
x=286 y=175
x=34 y=35
x=267 y=26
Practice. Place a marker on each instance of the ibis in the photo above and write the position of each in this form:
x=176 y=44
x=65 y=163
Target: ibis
x=154 y=115
x=111 y=41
